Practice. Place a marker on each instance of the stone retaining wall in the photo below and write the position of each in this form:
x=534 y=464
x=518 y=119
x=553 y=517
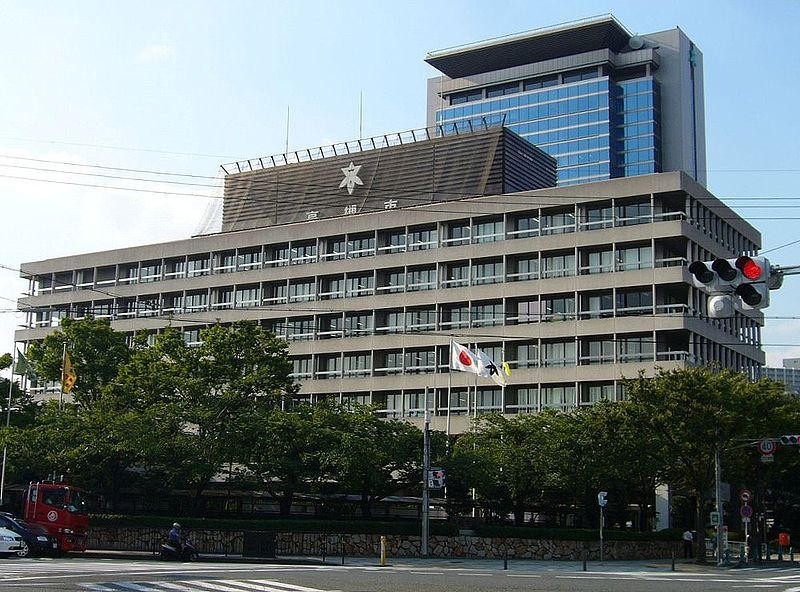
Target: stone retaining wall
x=365 y=545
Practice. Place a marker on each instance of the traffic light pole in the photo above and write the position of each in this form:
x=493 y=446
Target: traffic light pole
x=718 y=493
x=426 y=469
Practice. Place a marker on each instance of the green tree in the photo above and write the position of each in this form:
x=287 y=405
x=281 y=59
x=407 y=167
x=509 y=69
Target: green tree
x=692 y=414
x=95 y=349
x=372 y=457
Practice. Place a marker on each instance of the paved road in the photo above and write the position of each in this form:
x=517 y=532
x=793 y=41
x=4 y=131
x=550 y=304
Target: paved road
x=87 y=574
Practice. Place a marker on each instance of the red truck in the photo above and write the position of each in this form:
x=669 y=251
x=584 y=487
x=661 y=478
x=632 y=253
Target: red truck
x=61 y=509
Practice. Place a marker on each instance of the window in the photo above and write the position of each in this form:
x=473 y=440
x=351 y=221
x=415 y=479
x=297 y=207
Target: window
x=420 y=360
x=578 y=75
x=594 y=393
x=634 y=302
x=487 y=272
x=301 y=329
x=392 y=281
x=455 y=316
x=525 y=269
x=361 y=246
x=558 y=397
x=558 y=265
x=304 y=252
x=128 y=274
x=488 y=231
x=558 y=353
x=222 y=298
x=466 y=96
x=421 y=319
x=277 y=255
x=522 y=399
x=634 y=258
x=457 y=275
x=335 y=248
x=331 y=287
x=301 y=367
x=301 y=290
x=392 y=363
x=458 y=233
x=276 y=293
x=360 y=285
x=525 y=225
x=634 y=213
x=390 y=321
x=330 y=326
x=196 y=301
x=198 y=265
x=225 y=262
x=248 y=296
x=356 y=324
x=192 y=337
x=540 y=82
x=486 y=315
x=174 y=268
x=421 y=279
x=420 y=239
x=597 y=305
x=558 y=307
x=527 y=355
x=173 y=303
x=393 y=241
x=558 y=222
x=329 y=366
x=597 y=351
x=502 y=89
x=598 y=262
x=248 y=259
x=357 y=364
x=598 y=216
x=635 y=348
x=150 y=272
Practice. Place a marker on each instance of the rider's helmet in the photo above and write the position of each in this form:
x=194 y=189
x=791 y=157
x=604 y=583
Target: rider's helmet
x=176 y=525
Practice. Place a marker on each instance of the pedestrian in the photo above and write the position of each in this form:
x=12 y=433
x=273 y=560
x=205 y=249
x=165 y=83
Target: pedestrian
x=688 y=539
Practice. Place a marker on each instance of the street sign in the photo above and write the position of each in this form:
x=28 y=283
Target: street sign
x=746 y=511
x=602 y=499
x=715 y=518
x=766 y=447
x=745 y=495
x=745 y=520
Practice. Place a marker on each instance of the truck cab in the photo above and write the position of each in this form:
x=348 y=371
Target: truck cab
x=61 y=509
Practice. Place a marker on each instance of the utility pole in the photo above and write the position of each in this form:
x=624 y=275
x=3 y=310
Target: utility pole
x=718 y=493
x=426 y=469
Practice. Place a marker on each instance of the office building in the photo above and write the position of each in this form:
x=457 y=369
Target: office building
x=369 y=257
x=788 y=374
x=604 y=102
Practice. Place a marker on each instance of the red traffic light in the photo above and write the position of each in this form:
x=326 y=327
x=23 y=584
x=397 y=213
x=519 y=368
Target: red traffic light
x=749 y=268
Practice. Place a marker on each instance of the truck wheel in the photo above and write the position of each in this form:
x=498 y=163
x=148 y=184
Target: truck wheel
x=24 y=551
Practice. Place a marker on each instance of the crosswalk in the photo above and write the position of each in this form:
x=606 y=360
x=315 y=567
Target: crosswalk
x=199 y=586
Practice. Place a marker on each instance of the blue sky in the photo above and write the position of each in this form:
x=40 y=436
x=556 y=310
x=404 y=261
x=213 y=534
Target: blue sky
x=186 y=86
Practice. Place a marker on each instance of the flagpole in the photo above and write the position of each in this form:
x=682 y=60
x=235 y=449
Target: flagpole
x=449 y=390
x=63 y=371
x=8 y=423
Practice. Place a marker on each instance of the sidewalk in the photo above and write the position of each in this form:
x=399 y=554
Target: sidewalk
x=517 y=565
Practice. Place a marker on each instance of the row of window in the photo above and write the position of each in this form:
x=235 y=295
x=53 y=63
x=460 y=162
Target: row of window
x=546 y=221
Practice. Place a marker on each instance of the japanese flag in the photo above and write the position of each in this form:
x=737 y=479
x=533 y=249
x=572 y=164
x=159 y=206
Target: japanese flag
x=463 y=359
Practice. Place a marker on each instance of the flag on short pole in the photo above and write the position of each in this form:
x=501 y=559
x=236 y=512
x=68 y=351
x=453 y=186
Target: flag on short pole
x=463 y=359
x=491 y=369
x=68 y=375
x=23 y=366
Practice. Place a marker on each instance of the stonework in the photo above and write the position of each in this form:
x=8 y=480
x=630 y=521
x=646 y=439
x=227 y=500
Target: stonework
x=366 y=545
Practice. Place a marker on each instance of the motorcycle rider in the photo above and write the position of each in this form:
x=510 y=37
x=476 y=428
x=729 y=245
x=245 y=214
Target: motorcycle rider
x=174 y=537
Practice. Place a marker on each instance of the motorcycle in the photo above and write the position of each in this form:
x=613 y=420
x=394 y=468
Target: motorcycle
x=187 y=552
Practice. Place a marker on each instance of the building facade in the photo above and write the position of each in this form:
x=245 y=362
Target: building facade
x=604 y=102
x=788 y=374
x=574 y=287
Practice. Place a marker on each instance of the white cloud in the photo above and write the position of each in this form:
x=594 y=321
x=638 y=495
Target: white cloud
x=156 y=53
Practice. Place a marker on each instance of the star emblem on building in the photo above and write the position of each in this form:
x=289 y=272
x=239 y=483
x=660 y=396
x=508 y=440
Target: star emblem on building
x=351 y=178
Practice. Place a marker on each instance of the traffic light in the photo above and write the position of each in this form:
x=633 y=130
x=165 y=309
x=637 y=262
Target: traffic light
x=745 y=277
x=790 y=440
x=753 y=287
x=436 y=479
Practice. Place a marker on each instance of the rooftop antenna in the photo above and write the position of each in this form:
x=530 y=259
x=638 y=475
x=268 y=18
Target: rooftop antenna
x=286 y=151
x=360 y=114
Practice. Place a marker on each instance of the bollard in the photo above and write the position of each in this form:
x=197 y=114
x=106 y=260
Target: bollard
x=672 y=568
x=791 y=554
x=324 y=545
x=341 y=543
x=383 y=550
x=505 y=559
x=584 y=560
